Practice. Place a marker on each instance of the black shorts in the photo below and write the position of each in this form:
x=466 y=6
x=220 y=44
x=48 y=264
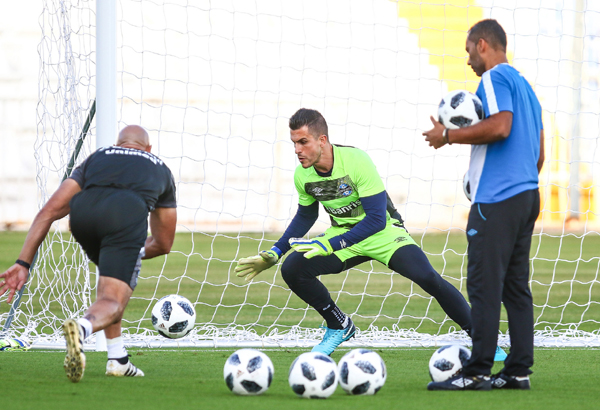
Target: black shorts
x=111 y=225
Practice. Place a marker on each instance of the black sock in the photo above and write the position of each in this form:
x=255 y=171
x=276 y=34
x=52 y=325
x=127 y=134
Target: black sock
x=123 y=360
x=334 y=317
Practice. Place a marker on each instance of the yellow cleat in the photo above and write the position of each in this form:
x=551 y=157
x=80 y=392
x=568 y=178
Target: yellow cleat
x=75 y=359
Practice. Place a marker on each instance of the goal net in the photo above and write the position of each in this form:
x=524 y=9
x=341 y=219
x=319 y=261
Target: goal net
x=215 y=83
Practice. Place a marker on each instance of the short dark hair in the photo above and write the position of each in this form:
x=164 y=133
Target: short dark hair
x=313 y=119
x=491 y=31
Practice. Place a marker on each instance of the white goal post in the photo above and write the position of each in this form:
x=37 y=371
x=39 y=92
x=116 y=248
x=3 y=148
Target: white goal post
x=215 y=83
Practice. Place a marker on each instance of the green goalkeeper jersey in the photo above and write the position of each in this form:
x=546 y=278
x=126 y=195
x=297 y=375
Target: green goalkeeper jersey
x=353 y=176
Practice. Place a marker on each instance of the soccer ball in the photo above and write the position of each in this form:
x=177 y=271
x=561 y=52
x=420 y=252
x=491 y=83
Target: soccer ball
x=467 y=186
x=362 y=372
x=447 y=361
x=173 y=316
x=248 y=372
x=460 y=109
x=313 y=375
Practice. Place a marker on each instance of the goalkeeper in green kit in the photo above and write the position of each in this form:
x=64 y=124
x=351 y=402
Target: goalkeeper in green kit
x=364 y=226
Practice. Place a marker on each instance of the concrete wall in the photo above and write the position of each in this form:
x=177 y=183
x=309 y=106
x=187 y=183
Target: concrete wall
x=19 y=63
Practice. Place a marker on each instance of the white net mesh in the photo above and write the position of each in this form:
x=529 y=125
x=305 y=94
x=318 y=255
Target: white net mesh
x=214 y=83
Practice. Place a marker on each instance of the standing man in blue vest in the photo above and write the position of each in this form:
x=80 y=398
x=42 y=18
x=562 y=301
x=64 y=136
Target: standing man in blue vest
x=507 y=155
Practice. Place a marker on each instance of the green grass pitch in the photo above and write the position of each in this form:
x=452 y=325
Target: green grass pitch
x=193 y=379
x=564 y=378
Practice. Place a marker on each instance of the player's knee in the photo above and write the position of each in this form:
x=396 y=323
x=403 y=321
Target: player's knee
x=288 y=273
x=293 y=269
x=111 y=306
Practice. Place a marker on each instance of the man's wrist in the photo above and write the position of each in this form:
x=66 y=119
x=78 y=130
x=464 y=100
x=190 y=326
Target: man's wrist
x=23 y=264
x=277 y=251
x=445 y=136
x=337 y=243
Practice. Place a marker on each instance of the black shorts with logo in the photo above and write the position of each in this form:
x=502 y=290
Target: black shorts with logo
x=111 y=225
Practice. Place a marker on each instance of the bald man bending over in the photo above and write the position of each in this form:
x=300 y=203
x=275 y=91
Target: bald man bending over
x=108 y=197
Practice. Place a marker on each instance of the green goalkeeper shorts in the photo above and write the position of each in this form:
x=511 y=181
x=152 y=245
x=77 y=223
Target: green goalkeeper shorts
x=380 y=246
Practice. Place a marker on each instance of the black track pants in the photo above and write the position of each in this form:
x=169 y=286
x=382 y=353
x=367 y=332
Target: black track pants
x=499 y=237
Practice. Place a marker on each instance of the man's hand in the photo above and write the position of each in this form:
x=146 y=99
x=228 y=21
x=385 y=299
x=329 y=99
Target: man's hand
x=252 y=266
x=312 y=247
x=13 y=280
x=435 y=135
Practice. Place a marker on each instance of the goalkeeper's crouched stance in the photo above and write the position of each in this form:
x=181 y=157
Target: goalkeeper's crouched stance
x=108 y=198
x=365 y=226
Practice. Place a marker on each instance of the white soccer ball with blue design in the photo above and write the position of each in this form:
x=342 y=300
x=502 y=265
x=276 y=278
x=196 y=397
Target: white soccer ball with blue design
x=248 y=372
x=447 y=361
x=173 y=316
x=362 y=372
x=313 y=375
x=460 y=109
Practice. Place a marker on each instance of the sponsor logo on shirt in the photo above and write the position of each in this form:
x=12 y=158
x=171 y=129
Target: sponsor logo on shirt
x=344 y=210
x=132 y=152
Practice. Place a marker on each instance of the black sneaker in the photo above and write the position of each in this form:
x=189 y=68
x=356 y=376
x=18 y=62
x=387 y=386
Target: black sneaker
x=461 y=382
x=504 y=381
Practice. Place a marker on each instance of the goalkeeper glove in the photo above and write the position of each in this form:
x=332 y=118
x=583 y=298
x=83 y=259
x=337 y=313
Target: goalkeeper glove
x=252 y=266
x=312 y=247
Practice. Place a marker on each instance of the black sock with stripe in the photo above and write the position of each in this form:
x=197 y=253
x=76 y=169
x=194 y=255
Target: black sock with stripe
x=335 y=318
